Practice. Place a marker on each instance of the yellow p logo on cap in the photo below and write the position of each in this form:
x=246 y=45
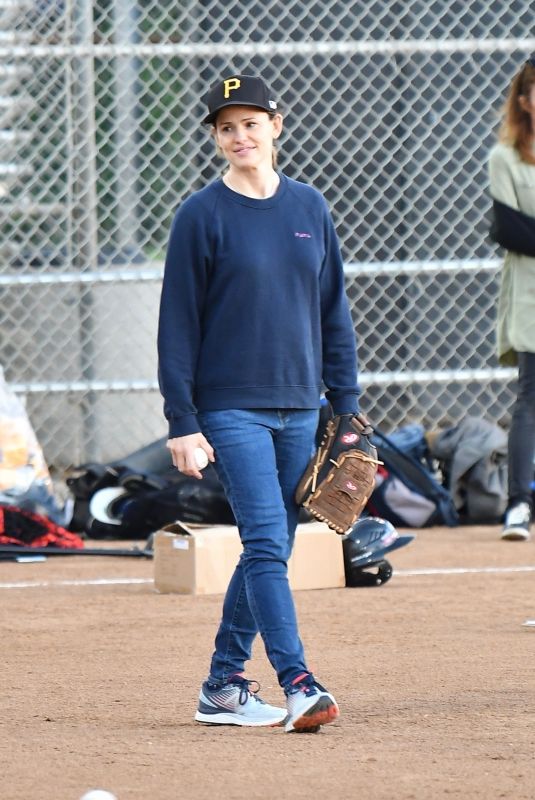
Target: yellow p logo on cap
x=230 y=84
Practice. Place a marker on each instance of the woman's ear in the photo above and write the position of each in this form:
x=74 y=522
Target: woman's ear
x=523 y=102
x=218 y=149
x=277 y=125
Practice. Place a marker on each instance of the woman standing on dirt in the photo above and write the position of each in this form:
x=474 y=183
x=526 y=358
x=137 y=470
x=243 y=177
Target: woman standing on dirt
x=512 y=187
x=253 y=318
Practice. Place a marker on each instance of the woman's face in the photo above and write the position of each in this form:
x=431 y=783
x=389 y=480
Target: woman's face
x=527 y=103
x=246 y=134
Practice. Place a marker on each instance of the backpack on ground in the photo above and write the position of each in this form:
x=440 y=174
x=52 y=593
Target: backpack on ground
x=472 y=457
x=407 y=493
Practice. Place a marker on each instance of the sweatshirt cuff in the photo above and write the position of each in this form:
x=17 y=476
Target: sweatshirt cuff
x=183 y=426
x=344 y=404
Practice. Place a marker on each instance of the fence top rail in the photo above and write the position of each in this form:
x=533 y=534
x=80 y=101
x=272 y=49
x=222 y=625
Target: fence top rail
x=326 y=47
x=410 y=267
x=398 y=378
x=144 y=274
x=154 y=272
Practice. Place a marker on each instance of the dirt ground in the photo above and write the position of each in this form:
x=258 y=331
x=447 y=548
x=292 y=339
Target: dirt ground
x=433 y=673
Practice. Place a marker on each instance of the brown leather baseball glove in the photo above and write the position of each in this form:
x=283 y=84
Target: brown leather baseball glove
x=340 y=477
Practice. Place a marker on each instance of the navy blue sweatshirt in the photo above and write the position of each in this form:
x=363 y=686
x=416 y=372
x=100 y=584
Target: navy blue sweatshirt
x=253 y=309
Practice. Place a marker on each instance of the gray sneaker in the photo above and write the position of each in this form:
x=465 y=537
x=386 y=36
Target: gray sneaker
x=236 y=704
x=309 y=707
x=517 y=522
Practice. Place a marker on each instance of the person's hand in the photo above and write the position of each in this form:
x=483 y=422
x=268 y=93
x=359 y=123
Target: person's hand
x=183 y=453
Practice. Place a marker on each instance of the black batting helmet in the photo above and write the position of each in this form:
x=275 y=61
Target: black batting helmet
x=365 y=547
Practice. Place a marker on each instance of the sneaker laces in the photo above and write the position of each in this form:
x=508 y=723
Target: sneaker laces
x=306 y=684
x=246 y=691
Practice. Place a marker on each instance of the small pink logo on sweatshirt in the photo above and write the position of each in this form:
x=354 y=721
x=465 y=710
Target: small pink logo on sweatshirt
x=300 y=235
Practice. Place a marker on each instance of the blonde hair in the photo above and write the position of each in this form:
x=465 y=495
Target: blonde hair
x=516 y=128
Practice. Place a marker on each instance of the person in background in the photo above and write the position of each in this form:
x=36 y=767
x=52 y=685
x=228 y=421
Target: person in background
x=254 y=322
x=512 y=188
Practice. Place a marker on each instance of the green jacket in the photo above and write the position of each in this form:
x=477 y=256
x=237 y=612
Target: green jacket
x=512 y=182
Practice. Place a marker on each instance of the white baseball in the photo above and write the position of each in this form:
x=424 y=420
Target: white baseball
x=201 y=459
x=98 y=794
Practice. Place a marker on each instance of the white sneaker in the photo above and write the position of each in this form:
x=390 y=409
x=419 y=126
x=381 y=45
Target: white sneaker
x=236 y=704
x=309 y=707
x=517 y=522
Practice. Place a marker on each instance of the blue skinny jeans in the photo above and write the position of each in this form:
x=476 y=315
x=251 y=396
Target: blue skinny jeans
x=261 y=455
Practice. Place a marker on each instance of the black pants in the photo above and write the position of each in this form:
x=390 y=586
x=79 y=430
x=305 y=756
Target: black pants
x=522 y=433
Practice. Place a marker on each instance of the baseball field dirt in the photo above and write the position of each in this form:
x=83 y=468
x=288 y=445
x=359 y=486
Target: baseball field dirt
x=433 y=673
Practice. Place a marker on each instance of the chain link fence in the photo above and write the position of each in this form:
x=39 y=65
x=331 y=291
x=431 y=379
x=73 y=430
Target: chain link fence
x=390 y=110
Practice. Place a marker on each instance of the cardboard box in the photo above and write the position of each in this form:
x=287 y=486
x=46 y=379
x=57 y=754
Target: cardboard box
x=201 y=560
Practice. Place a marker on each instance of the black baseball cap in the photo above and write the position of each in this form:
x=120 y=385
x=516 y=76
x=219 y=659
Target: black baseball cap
x=238 y=90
